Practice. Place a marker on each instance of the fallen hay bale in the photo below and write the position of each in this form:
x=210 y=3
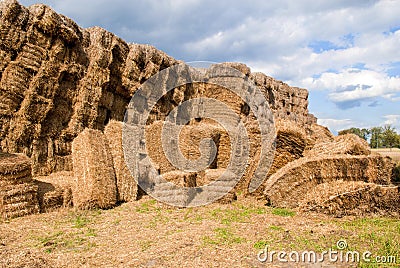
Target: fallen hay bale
x=126 y=184
x=343 y=198
x=288 y=186
x=343 y=144
x=95 y=184
x=55 y=191
x=18 y=195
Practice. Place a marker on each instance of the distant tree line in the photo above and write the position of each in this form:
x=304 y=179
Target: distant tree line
x=379 y=137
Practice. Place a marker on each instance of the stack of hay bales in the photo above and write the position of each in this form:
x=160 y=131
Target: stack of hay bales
x=338 y=176
x=190 y=138
x=55 y=191
x=18 y=193
x=95 y=183
x=126 y=184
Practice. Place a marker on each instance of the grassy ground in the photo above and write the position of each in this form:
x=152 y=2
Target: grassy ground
x=149 y=234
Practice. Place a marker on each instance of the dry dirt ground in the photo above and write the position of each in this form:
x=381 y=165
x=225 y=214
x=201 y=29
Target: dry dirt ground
x=149 y=234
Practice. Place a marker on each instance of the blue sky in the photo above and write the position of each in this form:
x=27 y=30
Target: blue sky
x=346 y=53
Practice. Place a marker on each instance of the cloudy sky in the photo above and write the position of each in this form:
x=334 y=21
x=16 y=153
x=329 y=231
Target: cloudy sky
x=347 y=53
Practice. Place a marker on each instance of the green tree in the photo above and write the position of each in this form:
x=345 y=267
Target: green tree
x=390 y=138
x=362 y=133
x=376 y=137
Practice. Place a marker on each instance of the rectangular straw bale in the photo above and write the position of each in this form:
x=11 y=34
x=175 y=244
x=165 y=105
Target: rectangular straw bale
x=95 y=183
x=55 y=190
x=211 y=175
x=126 y=184
x=14 y=165
x=181 y=178
x=154 y=147
x=191 y=137
x=18 y=195
x=18 y=200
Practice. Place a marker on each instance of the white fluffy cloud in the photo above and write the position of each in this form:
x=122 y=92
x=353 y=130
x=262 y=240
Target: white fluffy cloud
x=335 y=125
x=355 y=84
x=393 y=120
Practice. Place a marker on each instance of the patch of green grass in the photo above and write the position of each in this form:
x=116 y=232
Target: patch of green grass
x=91 y=232
x=192 y=215
x=74 y=232
x=50 y=241
x=308 y=242
x=284 y=212
x=198 y=218
x=80 y=221
x=188 y=211
x=147 y=206
x=159 y=218
x=223 y=236
x=239 y=214
x=261 y=244
x=379 y=234
x=146 y=244
x=275 y=228
x=60 y=240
